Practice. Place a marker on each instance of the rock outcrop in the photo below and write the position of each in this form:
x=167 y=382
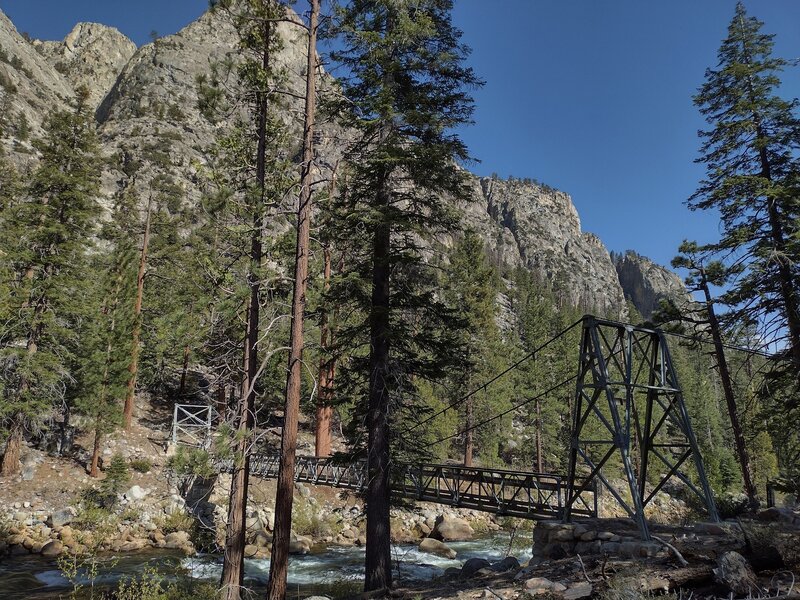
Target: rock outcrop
x=645 y=284
x=29 y=87
x=92 y=55
x=149 y=111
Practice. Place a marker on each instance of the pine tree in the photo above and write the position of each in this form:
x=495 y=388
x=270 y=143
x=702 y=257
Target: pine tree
x=752 y=169
x=45 y=237
x=250 y=183
x=472 y=287
x=279 y=565
x=405 y=91
x=702 y=275
x=102 y=374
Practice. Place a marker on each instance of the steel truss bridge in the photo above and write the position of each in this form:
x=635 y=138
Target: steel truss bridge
x=628 y=415
x=499 y=491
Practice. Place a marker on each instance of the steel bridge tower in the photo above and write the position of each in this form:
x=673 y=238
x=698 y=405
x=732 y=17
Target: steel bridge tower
x=629 y=409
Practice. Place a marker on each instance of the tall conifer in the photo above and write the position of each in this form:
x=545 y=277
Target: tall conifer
x=752 y=168
x=45 y=237
x=405 y=92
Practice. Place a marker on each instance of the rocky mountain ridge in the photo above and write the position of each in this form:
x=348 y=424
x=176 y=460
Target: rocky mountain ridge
x=646 y=284
x=149 y=109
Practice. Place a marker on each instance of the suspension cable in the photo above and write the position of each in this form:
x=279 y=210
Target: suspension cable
x=505 y=412
x=700 y=340
x=486 y=384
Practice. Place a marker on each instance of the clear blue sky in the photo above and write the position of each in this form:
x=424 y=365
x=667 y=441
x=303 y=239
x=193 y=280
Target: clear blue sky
x=592 y=97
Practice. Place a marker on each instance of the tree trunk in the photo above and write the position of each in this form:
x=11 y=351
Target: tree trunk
x=11 y=463
x=94 y=469
x=64 y=443
x=727 y=387
x=276 y=588
x=133 y=368
x=184 y=370
x=327 y=364
x=539 y=455
x=378 y=563
x=469 y=439
x=232 y=579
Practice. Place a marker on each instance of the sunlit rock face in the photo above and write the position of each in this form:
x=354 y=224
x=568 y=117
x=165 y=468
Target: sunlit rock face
x=647 y=284
x=91 y=56
x=148 y=111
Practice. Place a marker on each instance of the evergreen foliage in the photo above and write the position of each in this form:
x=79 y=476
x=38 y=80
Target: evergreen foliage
x=406 y=90
x=44 y=238
x=752 y=166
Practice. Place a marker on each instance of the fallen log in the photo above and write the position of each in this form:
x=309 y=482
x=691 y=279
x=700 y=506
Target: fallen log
x=674 y=579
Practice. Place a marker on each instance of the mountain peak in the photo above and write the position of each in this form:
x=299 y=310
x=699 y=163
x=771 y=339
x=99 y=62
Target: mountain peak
x=92 y=55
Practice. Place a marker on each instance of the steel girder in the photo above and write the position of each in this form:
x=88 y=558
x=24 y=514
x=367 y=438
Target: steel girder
x=629 y=406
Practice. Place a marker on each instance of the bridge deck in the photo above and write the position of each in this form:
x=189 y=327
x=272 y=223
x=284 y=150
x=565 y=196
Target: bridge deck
x=503 y=492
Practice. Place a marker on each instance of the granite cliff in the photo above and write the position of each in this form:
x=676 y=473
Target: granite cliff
x=149 y=110
x=646 y=284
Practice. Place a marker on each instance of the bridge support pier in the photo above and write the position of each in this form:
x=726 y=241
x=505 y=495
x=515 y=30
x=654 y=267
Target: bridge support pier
x=629 y=413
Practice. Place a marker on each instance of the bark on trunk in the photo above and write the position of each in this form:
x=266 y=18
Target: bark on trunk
x=469 y=439
x=276 y=587
x=539 y=456
x=378 y=563
x=11 y=463
x=327 y=364
x=727 y=388
x=94 y=469
x=133 y=368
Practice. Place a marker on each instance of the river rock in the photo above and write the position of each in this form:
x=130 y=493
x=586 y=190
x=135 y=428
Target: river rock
x=52 y=549
x=472 y=566
x=18 y=550
x=541 y=585
x=509 y=563
x=734 y=572
x=60 y=518
x=176 y=539
x=452 y=529
x=299 y=544
x=433 y=546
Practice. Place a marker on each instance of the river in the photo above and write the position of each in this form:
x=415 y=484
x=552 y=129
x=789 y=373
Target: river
x=332 y=570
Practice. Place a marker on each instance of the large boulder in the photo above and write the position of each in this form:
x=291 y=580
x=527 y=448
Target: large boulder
x=452 y=529
x=299 y=544
x=60 y=518
x=52 y=549
x=472 y=566
x=734 y=572
x=540 y=585
x=433 y=546
x=136 y=493
x=509 y=563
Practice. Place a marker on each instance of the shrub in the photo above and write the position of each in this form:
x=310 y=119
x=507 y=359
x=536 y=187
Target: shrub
x=92 y=518
x=731 y=506
x=130 y=514
x=98 y=498
x=117 y=475
x=141 y=465
x=191 y=461
x=177 y=521
x=307 y=521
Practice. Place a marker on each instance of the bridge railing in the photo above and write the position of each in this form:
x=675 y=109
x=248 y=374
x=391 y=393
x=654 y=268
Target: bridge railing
x=501 y=491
